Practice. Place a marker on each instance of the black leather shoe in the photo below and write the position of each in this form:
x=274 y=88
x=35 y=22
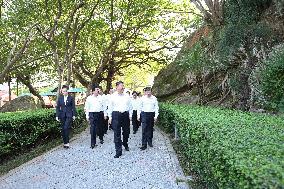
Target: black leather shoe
x=143 y=148
x=150 y=144
x=126 y=147
x=93 y=146
x=118 y=155
x=101 y=141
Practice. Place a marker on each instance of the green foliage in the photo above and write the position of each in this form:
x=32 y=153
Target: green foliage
x=195 y=58
x=272 y=80
x=280 y=6
x=20 y=131
x=241 y=27
x=136 y=78
x=166 y=118
x=121 y=30
x=229 y=148
x=246 y=11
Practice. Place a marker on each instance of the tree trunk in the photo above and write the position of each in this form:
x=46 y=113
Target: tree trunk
x=244 y=91
x=17 y=87
x=244 y=94
x=26 y=81
x=9 y=85
x=110 y=75
x=59 y=72
x=1 y=5
x=69 y=74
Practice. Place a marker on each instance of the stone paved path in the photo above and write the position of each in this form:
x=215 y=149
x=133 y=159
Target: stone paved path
x=83 y=167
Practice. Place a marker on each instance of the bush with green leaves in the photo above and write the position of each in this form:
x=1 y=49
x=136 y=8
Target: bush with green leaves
x=229 y=148
x=272 y=80
x=19 y=131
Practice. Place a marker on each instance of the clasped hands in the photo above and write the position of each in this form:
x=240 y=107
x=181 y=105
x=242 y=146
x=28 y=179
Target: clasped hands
x=57 y=119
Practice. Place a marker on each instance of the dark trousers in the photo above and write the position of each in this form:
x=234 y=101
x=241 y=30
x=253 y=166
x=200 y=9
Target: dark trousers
x=105 y=125
x=96 y=121
x=139 y=122
x=135 y=122
x=147 y=127
x=65 y=128
x=120 y=121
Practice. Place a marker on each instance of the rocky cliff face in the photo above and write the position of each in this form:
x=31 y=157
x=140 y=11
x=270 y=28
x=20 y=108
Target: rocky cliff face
x=176 y=83
x=175 y=78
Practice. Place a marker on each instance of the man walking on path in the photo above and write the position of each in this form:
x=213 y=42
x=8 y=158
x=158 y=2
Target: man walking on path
x=135 y=106
x=95 y=113
x=105 y=101
x=120 y=114
x=65 y=111
x=149 y=113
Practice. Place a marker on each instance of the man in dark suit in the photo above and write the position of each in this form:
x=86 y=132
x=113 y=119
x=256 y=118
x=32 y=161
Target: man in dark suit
x=65 y=112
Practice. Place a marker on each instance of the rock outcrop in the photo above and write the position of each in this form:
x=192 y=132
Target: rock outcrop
x=20 y=104
x=176 y=79
x=177 y=83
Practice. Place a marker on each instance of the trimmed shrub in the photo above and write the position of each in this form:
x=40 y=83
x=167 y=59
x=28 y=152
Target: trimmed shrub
x=20 y=131
x=229 y=148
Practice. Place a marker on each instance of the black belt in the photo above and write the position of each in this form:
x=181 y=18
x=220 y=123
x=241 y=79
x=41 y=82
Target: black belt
x=120 y=112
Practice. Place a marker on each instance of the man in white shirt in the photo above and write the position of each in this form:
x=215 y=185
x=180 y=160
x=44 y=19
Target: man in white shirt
x=95 y=113
x=107 y=98
x=149 y=113
x=120 y=114
x=135 y=106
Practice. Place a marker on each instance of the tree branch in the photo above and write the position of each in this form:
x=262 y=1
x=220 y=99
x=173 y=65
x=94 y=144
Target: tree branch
x=30 y=61
x=55 y=24
x=14 y=57
x=182 y=12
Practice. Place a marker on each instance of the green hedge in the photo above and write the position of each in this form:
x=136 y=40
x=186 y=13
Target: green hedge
x=229 y=148
x=20 y=131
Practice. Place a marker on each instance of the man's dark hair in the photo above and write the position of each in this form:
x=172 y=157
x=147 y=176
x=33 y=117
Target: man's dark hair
x=65 y=87
x=134 y=92
x=95 y=86
x=148 y=89
x=118 y=83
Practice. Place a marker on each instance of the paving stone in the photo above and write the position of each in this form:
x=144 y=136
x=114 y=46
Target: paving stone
x=83 y=167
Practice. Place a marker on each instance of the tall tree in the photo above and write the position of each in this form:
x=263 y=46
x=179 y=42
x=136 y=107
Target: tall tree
x=124 y=33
